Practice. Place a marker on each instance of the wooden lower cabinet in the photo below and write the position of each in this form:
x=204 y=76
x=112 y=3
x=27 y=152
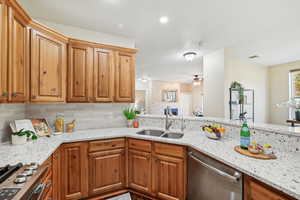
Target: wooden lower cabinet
x=74 y=164
x=139 y=167
x=106 y=171
x=255 y=190
x=169 y=177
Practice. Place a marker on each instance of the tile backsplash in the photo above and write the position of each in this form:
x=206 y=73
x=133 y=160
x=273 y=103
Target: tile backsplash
x=9 y=112
x=87 y=115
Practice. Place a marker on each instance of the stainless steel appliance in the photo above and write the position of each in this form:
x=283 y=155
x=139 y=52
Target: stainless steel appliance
x=18 y=182
x=211 y=180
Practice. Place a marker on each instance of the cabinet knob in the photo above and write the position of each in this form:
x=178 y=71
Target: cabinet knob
x=44 y=72
x=14 y=94
x=33 y=97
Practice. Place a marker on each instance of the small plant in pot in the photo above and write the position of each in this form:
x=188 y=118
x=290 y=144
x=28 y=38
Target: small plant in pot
x=20 y=137
x=130 y=115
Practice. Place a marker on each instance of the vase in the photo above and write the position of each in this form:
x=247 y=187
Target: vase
x=15 y=139
x=297 y=115
x=129 y=123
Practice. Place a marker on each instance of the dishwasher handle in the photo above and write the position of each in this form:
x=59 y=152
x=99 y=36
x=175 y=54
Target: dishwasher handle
x=234 y=178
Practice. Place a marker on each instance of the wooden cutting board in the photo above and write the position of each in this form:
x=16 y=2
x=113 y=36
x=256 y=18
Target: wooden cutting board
x=249 y=154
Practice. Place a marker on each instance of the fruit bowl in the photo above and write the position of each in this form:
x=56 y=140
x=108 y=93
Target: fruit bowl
x=215 y=132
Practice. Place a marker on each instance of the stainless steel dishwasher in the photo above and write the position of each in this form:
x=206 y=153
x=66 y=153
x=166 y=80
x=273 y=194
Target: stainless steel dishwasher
x=212 y=180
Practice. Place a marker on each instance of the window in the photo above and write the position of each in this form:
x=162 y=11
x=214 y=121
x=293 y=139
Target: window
x=294 y=88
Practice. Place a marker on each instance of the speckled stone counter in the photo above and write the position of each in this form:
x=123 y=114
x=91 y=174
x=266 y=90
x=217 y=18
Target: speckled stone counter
x=282 y=173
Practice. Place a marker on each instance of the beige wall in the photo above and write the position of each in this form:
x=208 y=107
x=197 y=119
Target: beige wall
x=251 y=76
x=279 y=90
x=220 y=69
x=213 y=85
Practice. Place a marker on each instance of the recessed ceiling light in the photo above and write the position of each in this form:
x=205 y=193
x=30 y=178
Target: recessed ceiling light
x=163 y=19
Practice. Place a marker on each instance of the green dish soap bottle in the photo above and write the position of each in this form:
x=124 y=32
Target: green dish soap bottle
x=245 y=135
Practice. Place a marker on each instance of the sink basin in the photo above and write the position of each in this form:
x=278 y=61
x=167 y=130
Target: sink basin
x=172 y=135
x=151 y=132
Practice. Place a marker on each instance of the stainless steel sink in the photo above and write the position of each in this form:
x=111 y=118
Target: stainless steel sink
x=173 y=135
x=161 y=133
x=151 y=132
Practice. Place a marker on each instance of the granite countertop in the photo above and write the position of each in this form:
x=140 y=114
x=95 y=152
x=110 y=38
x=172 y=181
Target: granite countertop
x=282 y=173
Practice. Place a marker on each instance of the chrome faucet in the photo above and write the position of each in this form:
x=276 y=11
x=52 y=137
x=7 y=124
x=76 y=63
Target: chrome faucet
x=168 y=123
x=183 y=125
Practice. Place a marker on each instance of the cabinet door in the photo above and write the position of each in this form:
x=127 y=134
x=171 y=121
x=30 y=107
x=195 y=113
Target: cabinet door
x=125 y=77
x=139 y=169
x=74 y=171
x=253 y=190
x=3 y=53
x=80 y=69
x=18 y=58
x=106 y=171
x=56 y=174
x=103 y=75
x=48 y=68
x=169 y=177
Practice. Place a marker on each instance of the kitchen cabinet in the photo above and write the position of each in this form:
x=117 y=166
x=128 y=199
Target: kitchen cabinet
x=255 y=190
x=3 y=52
x=56 y=174
x=80 y=73
x=47 y=179
x=169 y=177
x=74 y=172
x=103 y=75
x=48 y=68
x=139 y=167
x=125 y=77
x=106 y=171
x=169 y=171
x=18 y=58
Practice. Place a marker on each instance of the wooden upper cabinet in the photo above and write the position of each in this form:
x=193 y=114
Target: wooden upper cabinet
x=169 y=177
x=18 y=87
x=74 y=170
x=139 y=169
x=103 y=75
x=80 y=69
x=3 y=52
x=106 y=171
x=48 y=68
x=125 y=77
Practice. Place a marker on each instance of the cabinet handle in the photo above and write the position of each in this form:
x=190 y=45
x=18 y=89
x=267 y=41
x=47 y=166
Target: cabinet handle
x=14 y=94
x=33 y=97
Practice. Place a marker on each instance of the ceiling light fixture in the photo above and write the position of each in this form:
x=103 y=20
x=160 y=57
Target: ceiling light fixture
x=163 y=19
x=189 y=56
x=196 y=80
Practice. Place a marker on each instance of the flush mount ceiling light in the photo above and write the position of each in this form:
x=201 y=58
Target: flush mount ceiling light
x=163 y=19
x=189 y=56
x=197 y=80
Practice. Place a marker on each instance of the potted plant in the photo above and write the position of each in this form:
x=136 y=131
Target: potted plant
x=20 y=137
x=240 y=88
x=130 y=115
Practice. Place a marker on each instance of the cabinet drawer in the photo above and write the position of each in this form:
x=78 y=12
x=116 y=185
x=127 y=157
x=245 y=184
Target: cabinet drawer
x=106 y=144
x=169 y=149
x=139 y=145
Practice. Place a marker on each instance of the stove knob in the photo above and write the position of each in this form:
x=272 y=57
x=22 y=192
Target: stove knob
x=20 y=179
x=28 y=172
x=34 y=165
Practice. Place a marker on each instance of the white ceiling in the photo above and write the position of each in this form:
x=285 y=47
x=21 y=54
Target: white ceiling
x=269 y=28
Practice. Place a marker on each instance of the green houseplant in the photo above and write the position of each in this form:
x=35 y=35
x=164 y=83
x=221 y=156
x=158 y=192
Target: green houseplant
x=20 y=137
x=240 y=88
x=130 y=115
